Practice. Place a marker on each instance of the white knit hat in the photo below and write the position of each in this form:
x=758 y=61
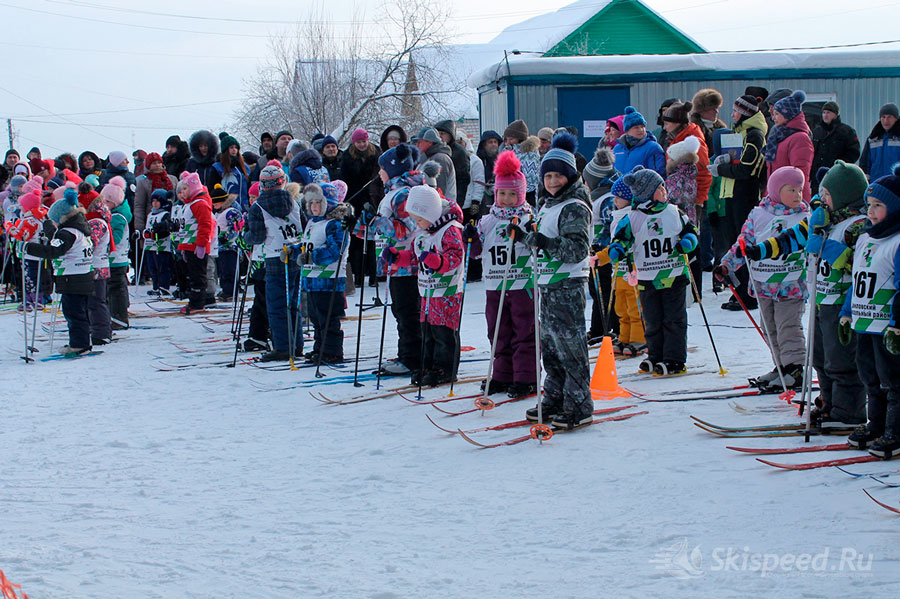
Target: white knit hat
x=425 y=202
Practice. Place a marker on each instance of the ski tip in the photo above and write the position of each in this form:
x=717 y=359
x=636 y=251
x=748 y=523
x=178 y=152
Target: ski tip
x=471 y=440
x=774 y=464
x=741 y=449
x=446 y=430
x=884 y=505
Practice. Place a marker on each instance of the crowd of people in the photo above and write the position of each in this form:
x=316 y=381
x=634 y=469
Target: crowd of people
x=776 y=211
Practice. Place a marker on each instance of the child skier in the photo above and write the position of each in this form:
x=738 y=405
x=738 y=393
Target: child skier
x=71 y=253
x=324 y=259
x=872 y=311
x=562 y=240
x=23 y=230
x=195 y=225
x=438 y=248
x=600 y=175
x=98 y=217
x=659 y=236
x=158 y=244
x=229 y=222
x=113 y=193
x=779 y=285
x=513 y=370
x=258 y=334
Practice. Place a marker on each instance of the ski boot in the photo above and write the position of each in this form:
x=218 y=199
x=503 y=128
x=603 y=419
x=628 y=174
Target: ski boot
x=634 y=349
x=885 y=447
x=549 y=410
x=646 y=366
x=668 y=368
x=862 y=437
x=520 y=390
x=496 y=387
x=568 y=421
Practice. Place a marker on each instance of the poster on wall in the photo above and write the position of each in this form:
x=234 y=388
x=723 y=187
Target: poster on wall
x=594 y=129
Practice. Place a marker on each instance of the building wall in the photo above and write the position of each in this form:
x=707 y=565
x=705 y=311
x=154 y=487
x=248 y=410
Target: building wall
x=859 y=99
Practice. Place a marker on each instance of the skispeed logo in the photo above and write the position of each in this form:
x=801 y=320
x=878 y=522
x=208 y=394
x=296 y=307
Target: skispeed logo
x=681 y=561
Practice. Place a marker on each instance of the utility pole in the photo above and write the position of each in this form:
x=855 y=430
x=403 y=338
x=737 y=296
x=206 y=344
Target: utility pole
x=9 y=129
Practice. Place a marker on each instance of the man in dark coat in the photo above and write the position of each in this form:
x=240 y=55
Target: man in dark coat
x=359 y=170
x=332 y=156
x=832 y=140
x=176 y=156
x=447 y=131
x=431 y=147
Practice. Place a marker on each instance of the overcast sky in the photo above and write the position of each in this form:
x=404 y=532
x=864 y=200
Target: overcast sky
x=99 y=75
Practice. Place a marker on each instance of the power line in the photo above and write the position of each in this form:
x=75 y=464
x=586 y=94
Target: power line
x=127 y=52
x=27 y=116
x=106 y=125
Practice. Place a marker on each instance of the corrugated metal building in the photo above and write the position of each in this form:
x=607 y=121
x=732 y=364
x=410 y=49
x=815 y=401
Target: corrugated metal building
x=585 y=91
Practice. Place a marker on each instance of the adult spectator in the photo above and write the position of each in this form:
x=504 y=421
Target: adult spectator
x=637 y=146
x=474 y=196
x=176 y=156
x=11 y=159
x=66 y=160
x=740 y=183
x=705 y=107
x=447 y=130
x=154 y=177
x=118 y=167
x=487 y=151
x=432 y=147
x=89 y=164
x=139 y=157
x=832 y=140
x=204 y=146
x=359 y=170
x=266 y=146
x=306 y=166
x=332 y=156
x=882 y=149
x=613 y=131
x=789 y=143
x=231 y=172
x=545 y=135
x=660 y=132
x=392 y=137
x=765 y=107
x=526 y=148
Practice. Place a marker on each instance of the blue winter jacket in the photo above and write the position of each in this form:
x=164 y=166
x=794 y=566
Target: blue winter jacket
x=648 y=153
x=276 y=202
x=330 y=252
x=306 y=167
x=881 y=152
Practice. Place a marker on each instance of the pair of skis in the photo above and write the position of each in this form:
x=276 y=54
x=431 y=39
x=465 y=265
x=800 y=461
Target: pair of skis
x=792 y=429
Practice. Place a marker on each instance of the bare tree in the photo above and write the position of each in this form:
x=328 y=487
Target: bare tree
x=316 y=80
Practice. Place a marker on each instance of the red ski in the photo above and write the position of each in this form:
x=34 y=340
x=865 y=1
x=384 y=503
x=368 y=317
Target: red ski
x=884 y=505
x=862 y=459
x=517 y=423
x=781 y=450
x=480 y=398
x=524 y=438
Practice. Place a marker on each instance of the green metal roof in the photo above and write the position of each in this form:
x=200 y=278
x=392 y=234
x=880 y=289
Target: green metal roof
x=625 y=27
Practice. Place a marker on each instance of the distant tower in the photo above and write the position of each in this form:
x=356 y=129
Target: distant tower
x=411 y=111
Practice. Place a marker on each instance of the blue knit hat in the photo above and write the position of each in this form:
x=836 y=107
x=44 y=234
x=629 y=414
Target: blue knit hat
x=560 y=158
x=886 y=189
x=790 y=107
x=398 y=160
x=620 y=189
x=328 y=140
x=643 y=183
x=63 y=206
x=632 y=118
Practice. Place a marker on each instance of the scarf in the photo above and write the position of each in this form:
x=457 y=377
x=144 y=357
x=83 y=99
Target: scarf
x=776 y=136
x=508 y=213
x=159 y=180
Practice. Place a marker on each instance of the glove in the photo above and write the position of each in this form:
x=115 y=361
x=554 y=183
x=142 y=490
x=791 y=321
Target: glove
x=713 y=219
x=241 y=243
x=719 y=161
x=305 y=258
x=537 y=240
x=721 y=273
x=223 y=239
x=515 y=231
x=892 y=340
x=200 y=252
x=431 y=260
x=470 y=232
x=286 y=253
x=814 y=244
x=390 y=254
x=349 y=222
x=616 y=251
x=596 y=248
x=844 y=331
x=818 y=219
x=238 y=225
x=475 y=209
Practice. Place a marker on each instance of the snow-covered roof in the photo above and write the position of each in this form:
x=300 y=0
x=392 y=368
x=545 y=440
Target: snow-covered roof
x=543 y=32
x=524 y=65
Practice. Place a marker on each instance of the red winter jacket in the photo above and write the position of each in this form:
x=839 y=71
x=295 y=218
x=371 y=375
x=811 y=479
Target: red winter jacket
x=704 y=177
x=205 y=224
x=797 y=150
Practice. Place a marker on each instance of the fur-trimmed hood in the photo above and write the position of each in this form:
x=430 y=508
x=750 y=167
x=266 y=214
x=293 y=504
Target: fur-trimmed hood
x=384 y=136
x=75 y=219
x=531 y=144
x=212 y=143
x=311 y=159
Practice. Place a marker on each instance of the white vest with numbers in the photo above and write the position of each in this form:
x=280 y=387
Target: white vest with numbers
x=101 y=256
x=551 y=270
x=315 y=237
x=873 y=282
x=79 y=260
x=436 y=284
x=784 y=269
x=495 y=257
x=656 y=256
x=832 y=284
x=281 y=231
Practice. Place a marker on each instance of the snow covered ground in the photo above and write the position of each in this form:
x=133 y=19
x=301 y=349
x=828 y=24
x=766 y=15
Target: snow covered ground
x=120 y=480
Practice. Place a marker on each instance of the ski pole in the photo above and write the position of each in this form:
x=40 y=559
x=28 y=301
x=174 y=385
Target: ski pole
x=612 y=295
x=387 y=302
x=687 y=266
x=806 y=394
x=422 y=352
x=362 y=295
x=462 y=303
x=785 y=395
x=53 y=318
x=598 y=294
x=143 y=253
x=510 y=260
x=537 y=336
x=746 y=311
x=287 y=302
x=26 y=357
x=6 y=260
x=234 y=302
x=37 y=291
x=240 y=316
x=345 y=243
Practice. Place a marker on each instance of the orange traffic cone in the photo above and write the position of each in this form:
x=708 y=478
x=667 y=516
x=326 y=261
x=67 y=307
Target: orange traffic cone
x=605 y=381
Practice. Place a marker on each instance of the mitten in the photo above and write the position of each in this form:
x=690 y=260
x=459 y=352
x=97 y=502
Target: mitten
x=892 y=340
x=814 y=244
x=844 y=331
x=470 y=232
x=616 y=251
x=515 y=232
x=390 y=254
x=721 y=273
x=349 y=222
x=200 y=251
x=818 y=219
x=286 y=253
x=430 y=259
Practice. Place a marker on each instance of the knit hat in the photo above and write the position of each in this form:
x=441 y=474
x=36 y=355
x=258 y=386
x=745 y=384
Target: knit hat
x=283 y=132
x=341 y=189
x=327 y=140
x=151 y=158
x=324 y=192
x=173 y=140
x=271 y=177
x=11 y=151
x=431 y=170
x=117 y=158
x=163 y=196
x=747 y=105
x=359 y=135
x=425 y=202
x=250 y=157
x=400 y=159
x=792 y=105
x=23 y=169
x=428 y=134
x=546 y=134
x=620 y=189
x=665 y=106
x=678 y=151
x=296 y=146
x=707 y=99
x=36 y=183
x=254 y=189
x=847 y=185
x=889 y=109
x=560 y=158
x=508 y=175
x=633 y=118
x=229 y=141
x=30 y=200
x=600 y=166
x=94 y=180
x=760 y=93
x=16 y=183
x=63 y=206
x=517 y=130
x=217 y=194
x=114 y=191
x=678 y=113
x=832 y=106
x=643 y=183
x=786 y=175
x=37 y=165
x=887 y=190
